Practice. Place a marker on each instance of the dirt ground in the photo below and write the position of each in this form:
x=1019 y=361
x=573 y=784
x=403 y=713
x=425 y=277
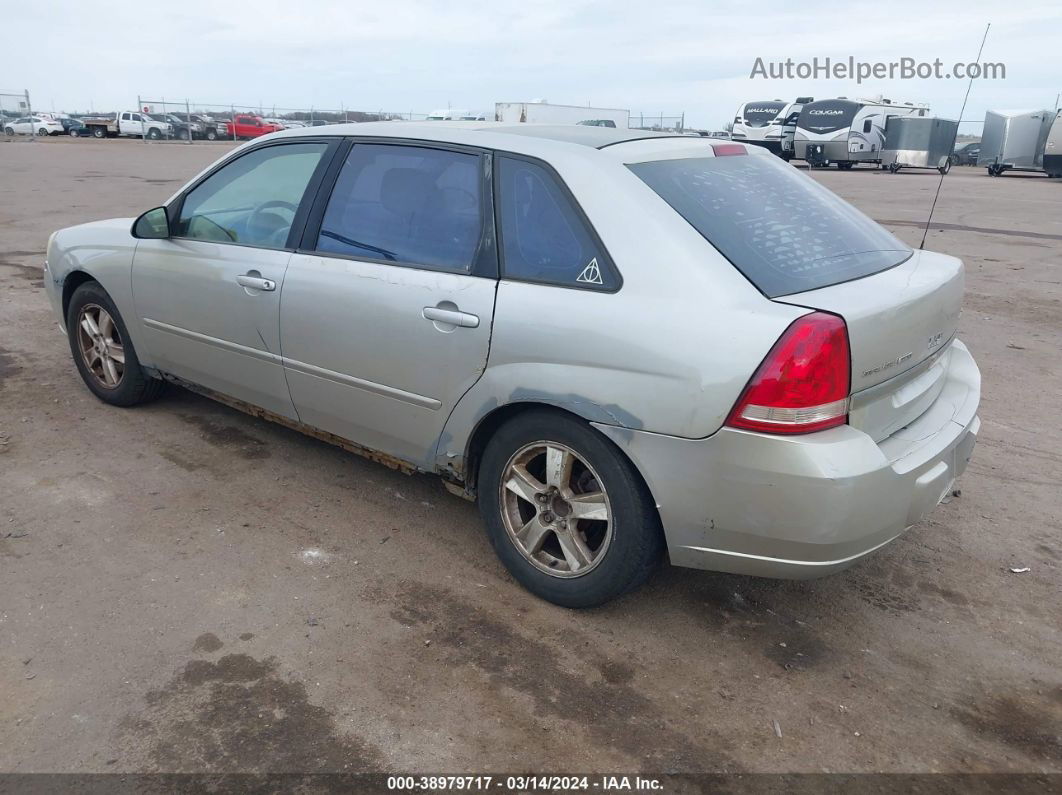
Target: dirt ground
x=184 y=588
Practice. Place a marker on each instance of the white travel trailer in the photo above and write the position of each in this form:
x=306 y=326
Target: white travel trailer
x=770 y=124
x=847 y=131
x=545 y=113
x=1014 y=140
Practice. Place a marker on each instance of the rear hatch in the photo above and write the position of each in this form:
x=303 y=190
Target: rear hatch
x=798 y=243
x=900 y=324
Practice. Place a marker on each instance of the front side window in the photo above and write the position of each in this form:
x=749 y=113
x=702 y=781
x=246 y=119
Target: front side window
x=543 y=236
x=406 y=204
x=252 y=200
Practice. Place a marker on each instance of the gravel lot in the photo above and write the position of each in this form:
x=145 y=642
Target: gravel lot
x=184 y=588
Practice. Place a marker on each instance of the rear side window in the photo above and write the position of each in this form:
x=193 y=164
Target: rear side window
x=780 y=228
x=544 y=237
x=406 y=204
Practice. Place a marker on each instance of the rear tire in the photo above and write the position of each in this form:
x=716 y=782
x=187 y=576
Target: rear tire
x=99 y=132
x=9 y=131
x=43 y=131
x=618 y=553
x=123 y=381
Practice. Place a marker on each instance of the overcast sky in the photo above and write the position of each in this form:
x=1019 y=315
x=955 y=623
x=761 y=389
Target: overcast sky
x=418 y=55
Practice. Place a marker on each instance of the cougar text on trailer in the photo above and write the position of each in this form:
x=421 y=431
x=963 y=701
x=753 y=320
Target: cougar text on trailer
x=847 y=131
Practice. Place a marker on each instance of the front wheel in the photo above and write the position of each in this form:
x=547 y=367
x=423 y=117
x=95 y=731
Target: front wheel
x=211 y=135
x=944 y=169
x=566 y=512
x=9 y=131
x=154 y=134
x=103 y=352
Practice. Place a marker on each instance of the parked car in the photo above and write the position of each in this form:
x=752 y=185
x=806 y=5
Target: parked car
x=248 y=125
x=966 y=154
x=127 y=123
x=625 y=367
x=203 y=126
x=181 y=128
x=73 y=127
x=33 y=125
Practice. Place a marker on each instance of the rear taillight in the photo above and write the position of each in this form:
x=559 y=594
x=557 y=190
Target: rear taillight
x=802 y=385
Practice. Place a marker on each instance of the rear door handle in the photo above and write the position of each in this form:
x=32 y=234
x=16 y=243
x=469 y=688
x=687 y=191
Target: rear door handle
x=451 y=316
x=255 y=281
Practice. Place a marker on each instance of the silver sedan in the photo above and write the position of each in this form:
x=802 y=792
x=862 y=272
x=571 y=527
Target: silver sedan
x=617 y=342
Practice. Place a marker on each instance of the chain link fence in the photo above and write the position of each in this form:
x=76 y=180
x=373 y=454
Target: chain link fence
x=16 y=113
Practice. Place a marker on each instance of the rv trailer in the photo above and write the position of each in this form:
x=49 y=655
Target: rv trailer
x=770 y=124
x=545 y=113
x=919 y=142
x=1014 y=140
x=1053 y=148
x=847 y=131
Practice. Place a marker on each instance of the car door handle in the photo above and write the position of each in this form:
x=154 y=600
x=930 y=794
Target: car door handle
x=254 y=281
x=451 y=316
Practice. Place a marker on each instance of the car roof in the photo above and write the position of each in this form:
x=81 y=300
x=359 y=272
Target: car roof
x=476 y=133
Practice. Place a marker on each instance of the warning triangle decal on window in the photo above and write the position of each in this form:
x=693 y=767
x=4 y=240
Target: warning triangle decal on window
x=591 y=274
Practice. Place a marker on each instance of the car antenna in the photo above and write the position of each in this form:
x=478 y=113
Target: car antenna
x=954 y=138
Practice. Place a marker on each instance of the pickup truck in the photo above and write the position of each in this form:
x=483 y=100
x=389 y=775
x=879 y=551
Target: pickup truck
x=203 y=126
x=247 y=125
x=127 y=122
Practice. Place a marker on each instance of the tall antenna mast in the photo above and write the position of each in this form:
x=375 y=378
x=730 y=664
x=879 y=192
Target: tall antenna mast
x=962 y=113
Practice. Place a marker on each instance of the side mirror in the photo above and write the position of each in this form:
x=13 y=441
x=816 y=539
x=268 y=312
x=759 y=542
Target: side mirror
x=152 y=225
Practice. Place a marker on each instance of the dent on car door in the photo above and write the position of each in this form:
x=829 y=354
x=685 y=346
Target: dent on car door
x=386 y=313
x=209 y=296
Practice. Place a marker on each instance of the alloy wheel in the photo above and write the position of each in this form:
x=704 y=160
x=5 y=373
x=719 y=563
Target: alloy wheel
x=555 y=509
x=101 y=345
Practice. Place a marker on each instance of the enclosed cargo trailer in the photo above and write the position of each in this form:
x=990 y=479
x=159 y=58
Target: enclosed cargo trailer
x=1053 y=148
x=919 y=142
x=545 y=113
x=1014 y=140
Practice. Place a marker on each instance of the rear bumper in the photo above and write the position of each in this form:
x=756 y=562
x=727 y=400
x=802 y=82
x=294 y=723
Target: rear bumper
x=805 y=506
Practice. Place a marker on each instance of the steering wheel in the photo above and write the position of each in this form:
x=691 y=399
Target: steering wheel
x=256 y=220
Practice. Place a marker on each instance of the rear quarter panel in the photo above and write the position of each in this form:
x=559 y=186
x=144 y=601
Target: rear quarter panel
x=669 y=352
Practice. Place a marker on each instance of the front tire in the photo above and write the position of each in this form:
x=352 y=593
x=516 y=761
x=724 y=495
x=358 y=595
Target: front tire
x=154 y=134
x=565 y=510
x=211 y=135
x=9 y=131
x=103 y=352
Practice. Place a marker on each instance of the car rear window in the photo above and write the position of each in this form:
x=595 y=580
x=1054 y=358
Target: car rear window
x=780 y=228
